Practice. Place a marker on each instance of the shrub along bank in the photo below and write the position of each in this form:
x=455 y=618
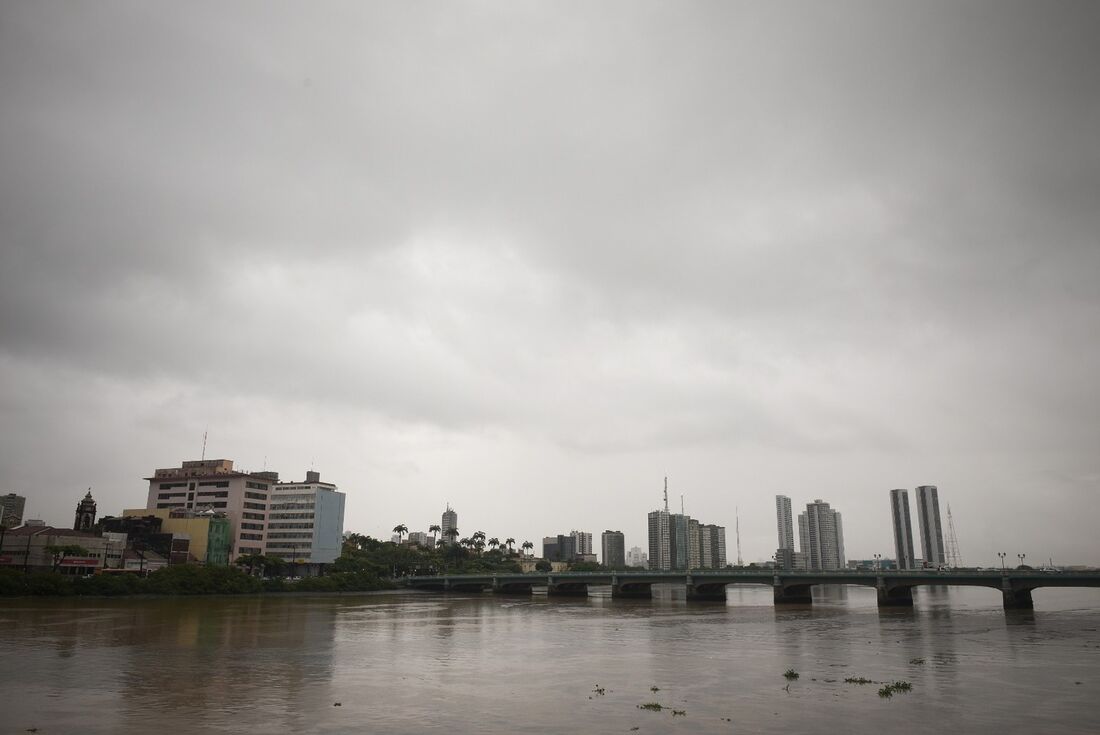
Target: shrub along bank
x=184 y=579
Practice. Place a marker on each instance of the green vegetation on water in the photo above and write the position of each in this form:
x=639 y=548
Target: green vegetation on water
x=790 y=674
x=651 y=706
x=890 y=690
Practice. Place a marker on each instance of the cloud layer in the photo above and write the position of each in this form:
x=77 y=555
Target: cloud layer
x=531 y=260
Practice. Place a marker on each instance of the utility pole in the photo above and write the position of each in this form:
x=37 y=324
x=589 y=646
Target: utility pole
x=666 y=495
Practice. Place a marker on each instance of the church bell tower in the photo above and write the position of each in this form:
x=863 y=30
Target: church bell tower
x=85 y=513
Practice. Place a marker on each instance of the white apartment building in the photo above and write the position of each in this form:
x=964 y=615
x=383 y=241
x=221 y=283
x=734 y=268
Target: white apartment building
x=305 y=521
x=582 y=543
x=637 y=558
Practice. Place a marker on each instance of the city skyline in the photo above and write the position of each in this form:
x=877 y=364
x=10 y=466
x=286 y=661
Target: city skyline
x=533 y=262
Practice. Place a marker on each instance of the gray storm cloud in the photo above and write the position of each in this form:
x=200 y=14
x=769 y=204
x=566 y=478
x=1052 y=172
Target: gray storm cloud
x=529 y=259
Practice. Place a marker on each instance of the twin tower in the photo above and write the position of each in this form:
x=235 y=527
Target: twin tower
x=928 y=525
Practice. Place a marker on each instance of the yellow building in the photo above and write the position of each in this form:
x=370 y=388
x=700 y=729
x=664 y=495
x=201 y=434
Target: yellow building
x=195 y=526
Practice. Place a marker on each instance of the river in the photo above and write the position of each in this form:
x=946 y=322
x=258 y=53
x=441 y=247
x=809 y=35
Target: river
x=415 y=662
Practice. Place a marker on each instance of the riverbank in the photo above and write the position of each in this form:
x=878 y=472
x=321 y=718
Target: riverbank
x=182 y=580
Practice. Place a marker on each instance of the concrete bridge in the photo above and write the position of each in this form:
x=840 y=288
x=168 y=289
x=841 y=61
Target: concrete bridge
x=895 y=588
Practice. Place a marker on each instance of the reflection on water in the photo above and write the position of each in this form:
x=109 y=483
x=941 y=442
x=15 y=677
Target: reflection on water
x=481 y=663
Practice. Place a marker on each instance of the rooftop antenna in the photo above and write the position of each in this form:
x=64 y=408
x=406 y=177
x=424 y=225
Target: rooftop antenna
x=737 y=529
x=666 y=495
x=953 y=557
x=203 y=445
x=681 y=504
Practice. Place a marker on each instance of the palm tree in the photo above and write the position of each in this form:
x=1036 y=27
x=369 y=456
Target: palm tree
x=433 y=530
x=509 y=542
x=452 y=534
x=493 y=543
x=400 y=530
x=527 y=546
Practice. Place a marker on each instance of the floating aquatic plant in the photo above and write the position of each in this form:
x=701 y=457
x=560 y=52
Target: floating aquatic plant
x=651 y=706
x=890 y=690
x=790 y=674
x=858 y=680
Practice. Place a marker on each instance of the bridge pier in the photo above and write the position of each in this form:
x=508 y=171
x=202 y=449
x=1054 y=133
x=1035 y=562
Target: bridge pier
x=1018 y=599
x=632 y=592
x=795 y=594
x=567 y=590
x=894 y=596
x=706 y=593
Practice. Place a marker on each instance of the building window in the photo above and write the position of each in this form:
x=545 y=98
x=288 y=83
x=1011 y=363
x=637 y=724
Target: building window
x=252 y=516
x=219 y=483
x=255 y=506
x=252 y=536
x=253 y=526
x=169 y=505
x=213 y=494
x=256 y=496
x=256 y=485
x=217 y=505
x=170 y=485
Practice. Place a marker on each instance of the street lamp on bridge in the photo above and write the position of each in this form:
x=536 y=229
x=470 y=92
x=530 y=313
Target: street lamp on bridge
x=1021 y=557
x=1002 y=555
x=878 y=562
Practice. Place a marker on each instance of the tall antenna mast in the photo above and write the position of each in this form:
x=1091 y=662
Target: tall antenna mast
x=953 y=557
x=203 y=445
x=666 y=495
x=681 y=504
x=737 y=528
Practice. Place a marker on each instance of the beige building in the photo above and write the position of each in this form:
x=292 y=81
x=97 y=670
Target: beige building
x=215 y=484
x=26 y=547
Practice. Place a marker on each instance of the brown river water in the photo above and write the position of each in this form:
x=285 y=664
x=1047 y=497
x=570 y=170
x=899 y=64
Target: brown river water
x=415 y=662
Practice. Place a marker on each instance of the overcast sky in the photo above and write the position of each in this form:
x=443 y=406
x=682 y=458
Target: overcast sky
x=531 y=258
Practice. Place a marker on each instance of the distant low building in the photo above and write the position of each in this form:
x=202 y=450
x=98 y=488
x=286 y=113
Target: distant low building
x=637 y=558
x=422 y=539
x=11 y=510
x=30 y=548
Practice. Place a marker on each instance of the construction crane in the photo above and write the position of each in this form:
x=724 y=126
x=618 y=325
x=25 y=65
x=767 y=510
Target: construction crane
x=737 y=530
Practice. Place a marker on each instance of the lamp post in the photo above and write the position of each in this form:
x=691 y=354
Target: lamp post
x=878 y=562
x=1021 y=557
x=1002 y=555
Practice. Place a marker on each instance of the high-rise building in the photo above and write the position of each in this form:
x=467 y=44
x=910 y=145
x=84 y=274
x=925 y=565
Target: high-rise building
x=903 y=529
x=11 y=510
x=660 y=553
x=214 y=484
x=637 y=558
x=613 y=548
x=679 y=541
x=582 y=542
x=695 y=545
x=712 y=546
x=821 y=536
x=784 y=522
x=450 y=520
x=305 y=521
x=928 y=522
x=559 y=548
